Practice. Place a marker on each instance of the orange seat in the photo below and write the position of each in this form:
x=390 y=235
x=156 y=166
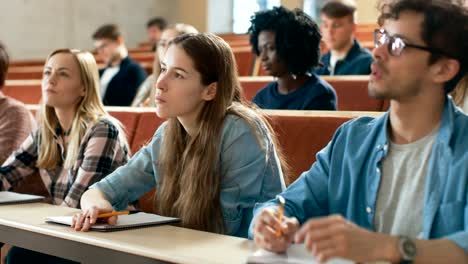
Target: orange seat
x=26 y=91
x=147 y=125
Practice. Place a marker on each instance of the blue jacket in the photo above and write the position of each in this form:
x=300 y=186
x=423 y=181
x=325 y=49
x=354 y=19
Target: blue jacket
x=124 y=85
x=356 y=62
x=251 y=174
x=315 y=94
x=345 y=178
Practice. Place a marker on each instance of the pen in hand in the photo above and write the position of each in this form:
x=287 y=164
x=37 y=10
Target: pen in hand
x=282 y=202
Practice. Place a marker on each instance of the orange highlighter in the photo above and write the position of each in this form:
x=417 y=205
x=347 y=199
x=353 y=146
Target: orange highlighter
x=282 y=202
x=105 y=215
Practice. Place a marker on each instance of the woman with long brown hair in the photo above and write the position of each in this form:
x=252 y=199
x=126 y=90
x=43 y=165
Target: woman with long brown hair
x=211 y=161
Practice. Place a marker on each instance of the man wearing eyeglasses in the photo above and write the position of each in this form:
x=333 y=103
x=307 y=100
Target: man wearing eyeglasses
x=122 y=76
x=393 y=188
x=345 y=55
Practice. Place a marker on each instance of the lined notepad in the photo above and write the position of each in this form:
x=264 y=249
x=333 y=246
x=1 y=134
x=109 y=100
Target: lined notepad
x=296 y=254
x=17 y=198
x=123 y=221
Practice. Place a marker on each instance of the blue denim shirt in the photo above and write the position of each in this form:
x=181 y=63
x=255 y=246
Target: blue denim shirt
x=251 y=174
x=345 y=178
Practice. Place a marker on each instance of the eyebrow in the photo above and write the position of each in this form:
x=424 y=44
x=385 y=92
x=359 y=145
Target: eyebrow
x=404 y=38
x=177 y=68
x=61 y=68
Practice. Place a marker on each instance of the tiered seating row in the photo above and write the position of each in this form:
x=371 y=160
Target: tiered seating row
x=351 y=91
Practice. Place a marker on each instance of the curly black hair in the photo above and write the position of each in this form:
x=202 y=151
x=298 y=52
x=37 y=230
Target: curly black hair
x=297 y=37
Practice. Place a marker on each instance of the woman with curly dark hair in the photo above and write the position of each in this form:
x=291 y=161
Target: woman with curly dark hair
x=288 y=44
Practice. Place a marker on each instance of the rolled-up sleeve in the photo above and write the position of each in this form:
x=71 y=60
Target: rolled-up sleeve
x=138 y=176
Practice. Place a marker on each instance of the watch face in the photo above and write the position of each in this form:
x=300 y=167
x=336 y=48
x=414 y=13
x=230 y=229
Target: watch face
x=409 y=249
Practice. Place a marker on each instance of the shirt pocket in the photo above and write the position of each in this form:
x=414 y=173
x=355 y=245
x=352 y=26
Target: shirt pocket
x=450 y=219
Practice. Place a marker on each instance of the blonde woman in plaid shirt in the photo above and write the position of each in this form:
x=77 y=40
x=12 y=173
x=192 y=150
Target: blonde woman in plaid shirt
x=77 y=143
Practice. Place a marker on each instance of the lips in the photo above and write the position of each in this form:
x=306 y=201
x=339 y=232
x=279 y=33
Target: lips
x=159 y=100
x=266 y=66
x=376 y=71
x=49 y=90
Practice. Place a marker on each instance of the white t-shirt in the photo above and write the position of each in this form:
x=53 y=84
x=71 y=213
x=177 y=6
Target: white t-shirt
x=333 y=60
x=400 y=200
x=106 y=77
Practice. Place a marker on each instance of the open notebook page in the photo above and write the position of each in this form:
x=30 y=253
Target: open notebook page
x=123 y=221
x=296 y=254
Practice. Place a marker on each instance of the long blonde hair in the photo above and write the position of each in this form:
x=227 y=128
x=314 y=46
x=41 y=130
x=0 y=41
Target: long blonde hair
x=89 y=111
x=189 y=166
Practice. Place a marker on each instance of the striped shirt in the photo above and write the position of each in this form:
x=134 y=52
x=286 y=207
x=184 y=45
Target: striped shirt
x=100 y=153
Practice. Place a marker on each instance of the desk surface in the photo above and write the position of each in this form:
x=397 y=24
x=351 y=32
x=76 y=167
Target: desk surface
x=165 y=243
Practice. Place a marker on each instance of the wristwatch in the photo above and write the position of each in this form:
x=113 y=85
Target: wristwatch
x=407 y=249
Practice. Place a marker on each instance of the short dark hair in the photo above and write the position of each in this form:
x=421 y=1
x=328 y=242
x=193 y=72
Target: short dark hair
x=108 y=31
x=297 y=37
x=4 y=63
x=445 y=28
x=338 y=9
x=157 y=21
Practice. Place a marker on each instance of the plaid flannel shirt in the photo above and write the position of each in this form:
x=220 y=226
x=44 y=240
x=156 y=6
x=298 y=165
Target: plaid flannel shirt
x=100 y=153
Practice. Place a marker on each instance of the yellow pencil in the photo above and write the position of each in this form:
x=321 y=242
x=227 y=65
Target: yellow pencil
x=282 y=202
x=105 y=215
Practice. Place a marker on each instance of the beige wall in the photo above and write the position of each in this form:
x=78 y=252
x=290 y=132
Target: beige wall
x=367 y=11
x=291 y=4
x=193 y=12
x=32 y=29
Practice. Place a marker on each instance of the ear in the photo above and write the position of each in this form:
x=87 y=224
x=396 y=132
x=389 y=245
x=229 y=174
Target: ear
x=82 y=91
x=209 y=93
x=120 y=40
x=444 y=70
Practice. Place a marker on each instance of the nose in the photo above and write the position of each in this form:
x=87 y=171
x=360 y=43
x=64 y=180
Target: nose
x=263 y=55
x=380 y=52
x=161 y=83
x=52 y=78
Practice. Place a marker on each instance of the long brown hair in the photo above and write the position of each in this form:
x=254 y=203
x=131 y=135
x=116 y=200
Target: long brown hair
x=190 y=172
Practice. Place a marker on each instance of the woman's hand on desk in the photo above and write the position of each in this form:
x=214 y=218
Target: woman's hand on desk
x=272 y=233
x=87 y=217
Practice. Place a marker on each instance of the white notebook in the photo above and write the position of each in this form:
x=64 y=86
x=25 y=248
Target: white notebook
x=16 y=198
x=296 y=254
x=123 y=221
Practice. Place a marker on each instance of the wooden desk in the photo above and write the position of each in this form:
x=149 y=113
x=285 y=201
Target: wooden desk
x=24 y=226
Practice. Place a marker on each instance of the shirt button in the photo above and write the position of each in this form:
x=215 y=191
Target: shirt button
x=368 y=210
x=377 y=170
x=379 y=147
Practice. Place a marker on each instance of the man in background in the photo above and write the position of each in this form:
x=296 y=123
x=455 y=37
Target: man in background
x=122 y=76
x=345 y=55
x=154 y=29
